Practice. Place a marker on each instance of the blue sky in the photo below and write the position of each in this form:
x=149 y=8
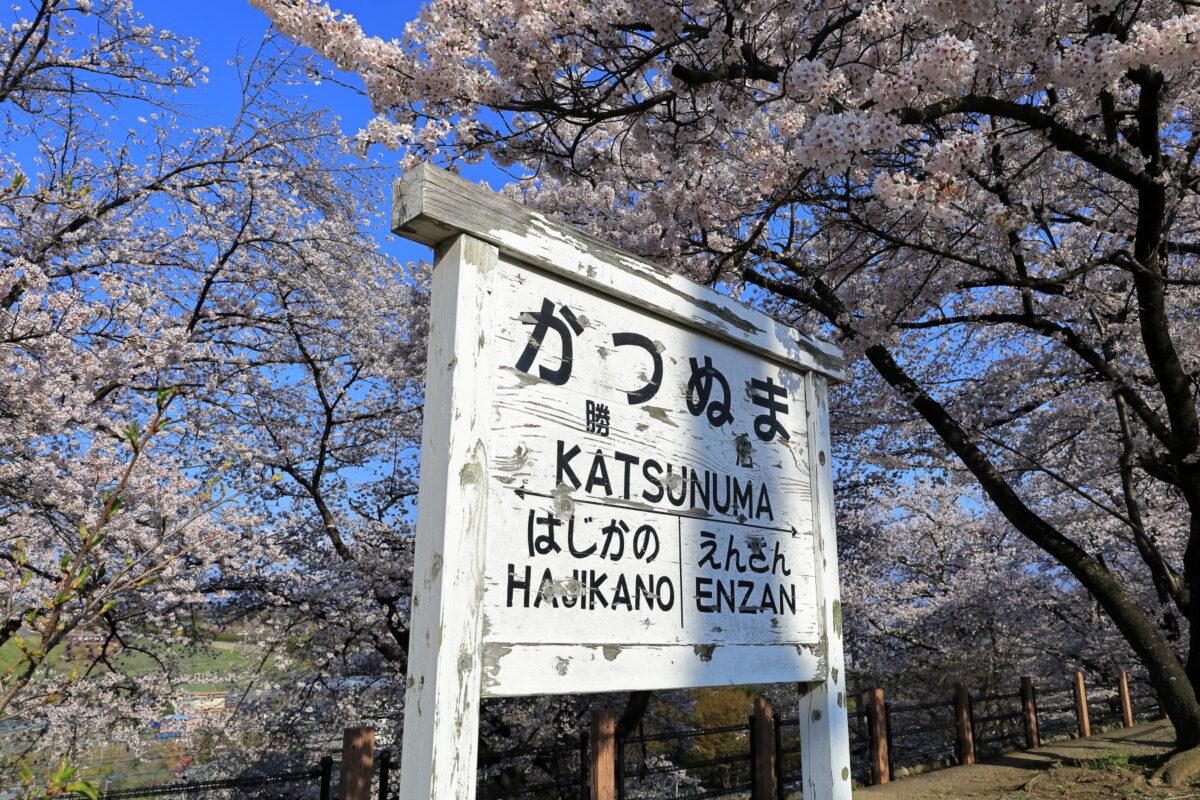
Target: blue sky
x=221 y=27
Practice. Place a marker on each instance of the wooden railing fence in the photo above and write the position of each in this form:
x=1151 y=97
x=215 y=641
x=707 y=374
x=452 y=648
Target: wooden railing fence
x=887 y=739
x=761 y=757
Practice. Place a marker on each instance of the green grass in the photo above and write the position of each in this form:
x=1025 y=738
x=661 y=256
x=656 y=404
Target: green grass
x=1114 y=762
x=184 y=659
x=103 y=760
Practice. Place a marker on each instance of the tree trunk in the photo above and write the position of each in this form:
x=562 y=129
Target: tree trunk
x=1192 y=577
x=1174 y=685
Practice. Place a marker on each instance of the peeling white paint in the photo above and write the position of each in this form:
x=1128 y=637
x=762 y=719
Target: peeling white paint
x=533 y=577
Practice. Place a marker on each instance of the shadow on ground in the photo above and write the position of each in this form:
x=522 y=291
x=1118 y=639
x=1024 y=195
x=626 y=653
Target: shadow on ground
x=1112 y=765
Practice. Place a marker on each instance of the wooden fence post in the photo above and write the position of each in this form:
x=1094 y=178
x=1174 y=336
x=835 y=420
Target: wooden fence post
x=1029 y=714
x=358 y=763
x=877 y=737
x=602 y=741
x=762 y=733
x=1126 y=700
x=1081 y=707
x=966 y=730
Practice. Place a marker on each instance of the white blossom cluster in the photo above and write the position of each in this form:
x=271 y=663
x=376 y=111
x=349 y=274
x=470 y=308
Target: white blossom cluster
x=209 y=394
x=991 y=205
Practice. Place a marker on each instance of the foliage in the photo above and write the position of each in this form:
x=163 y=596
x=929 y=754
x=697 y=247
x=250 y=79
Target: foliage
x=719 y=707
x=990 y=205
x=1113 y=762
x=206 y=383
x=59 y=784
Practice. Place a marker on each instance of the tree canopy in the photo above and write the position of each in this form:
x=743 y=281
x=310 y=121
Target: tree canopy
x=211 y=371
x=990 y=205
x=206 y=379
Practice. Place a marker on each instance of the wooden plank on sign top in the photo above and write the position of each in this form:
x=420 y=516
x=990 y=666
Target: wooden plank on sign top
x=430 y=205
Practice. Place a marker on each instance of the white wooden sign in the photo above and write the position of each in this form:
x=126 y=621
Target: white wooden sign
x=625 y=484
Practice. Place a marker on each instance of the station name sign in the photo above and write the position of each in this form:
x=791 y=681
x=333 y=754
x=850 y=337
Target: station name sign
x=625 y=480
x=649 y=486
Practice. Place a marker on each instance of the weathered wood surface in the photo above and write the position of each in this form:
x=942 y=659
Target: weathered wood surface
x=602 y=752
x=358 y=764
x=1029 y=713
x=877 y=736
x=441 y=715
x=1079 y=690
x=610 y=548
x=516 y=670
x=964 y=723
x=1125 y=698
x=430 y=205
x=626 y=484
x=763 y=768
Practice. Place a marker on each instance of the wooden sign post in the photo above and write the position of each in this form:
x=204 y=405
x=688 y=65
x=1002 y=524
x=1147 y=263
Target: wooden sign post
x=625 y=484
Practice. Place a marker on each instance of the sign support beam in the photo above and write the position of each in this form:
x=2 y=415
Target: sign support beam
x=441 y=702
x=824 y=728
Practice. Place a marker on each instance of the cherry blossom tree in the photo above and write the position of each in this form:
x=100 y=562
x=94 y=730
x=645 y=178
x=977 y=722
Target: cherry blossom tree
x=207 y=377
x=991 y=206
x=940 y=592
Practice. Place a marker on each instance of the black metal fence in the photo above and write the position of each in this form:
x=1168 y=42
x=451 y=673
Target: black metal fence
x=708 y=762
x=549 y=773
x=787 y=751
x=920 y=733
x=997 y=723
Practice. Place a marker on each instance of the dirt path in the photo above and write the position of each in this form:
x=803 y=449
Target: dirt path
x=1111 y=765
